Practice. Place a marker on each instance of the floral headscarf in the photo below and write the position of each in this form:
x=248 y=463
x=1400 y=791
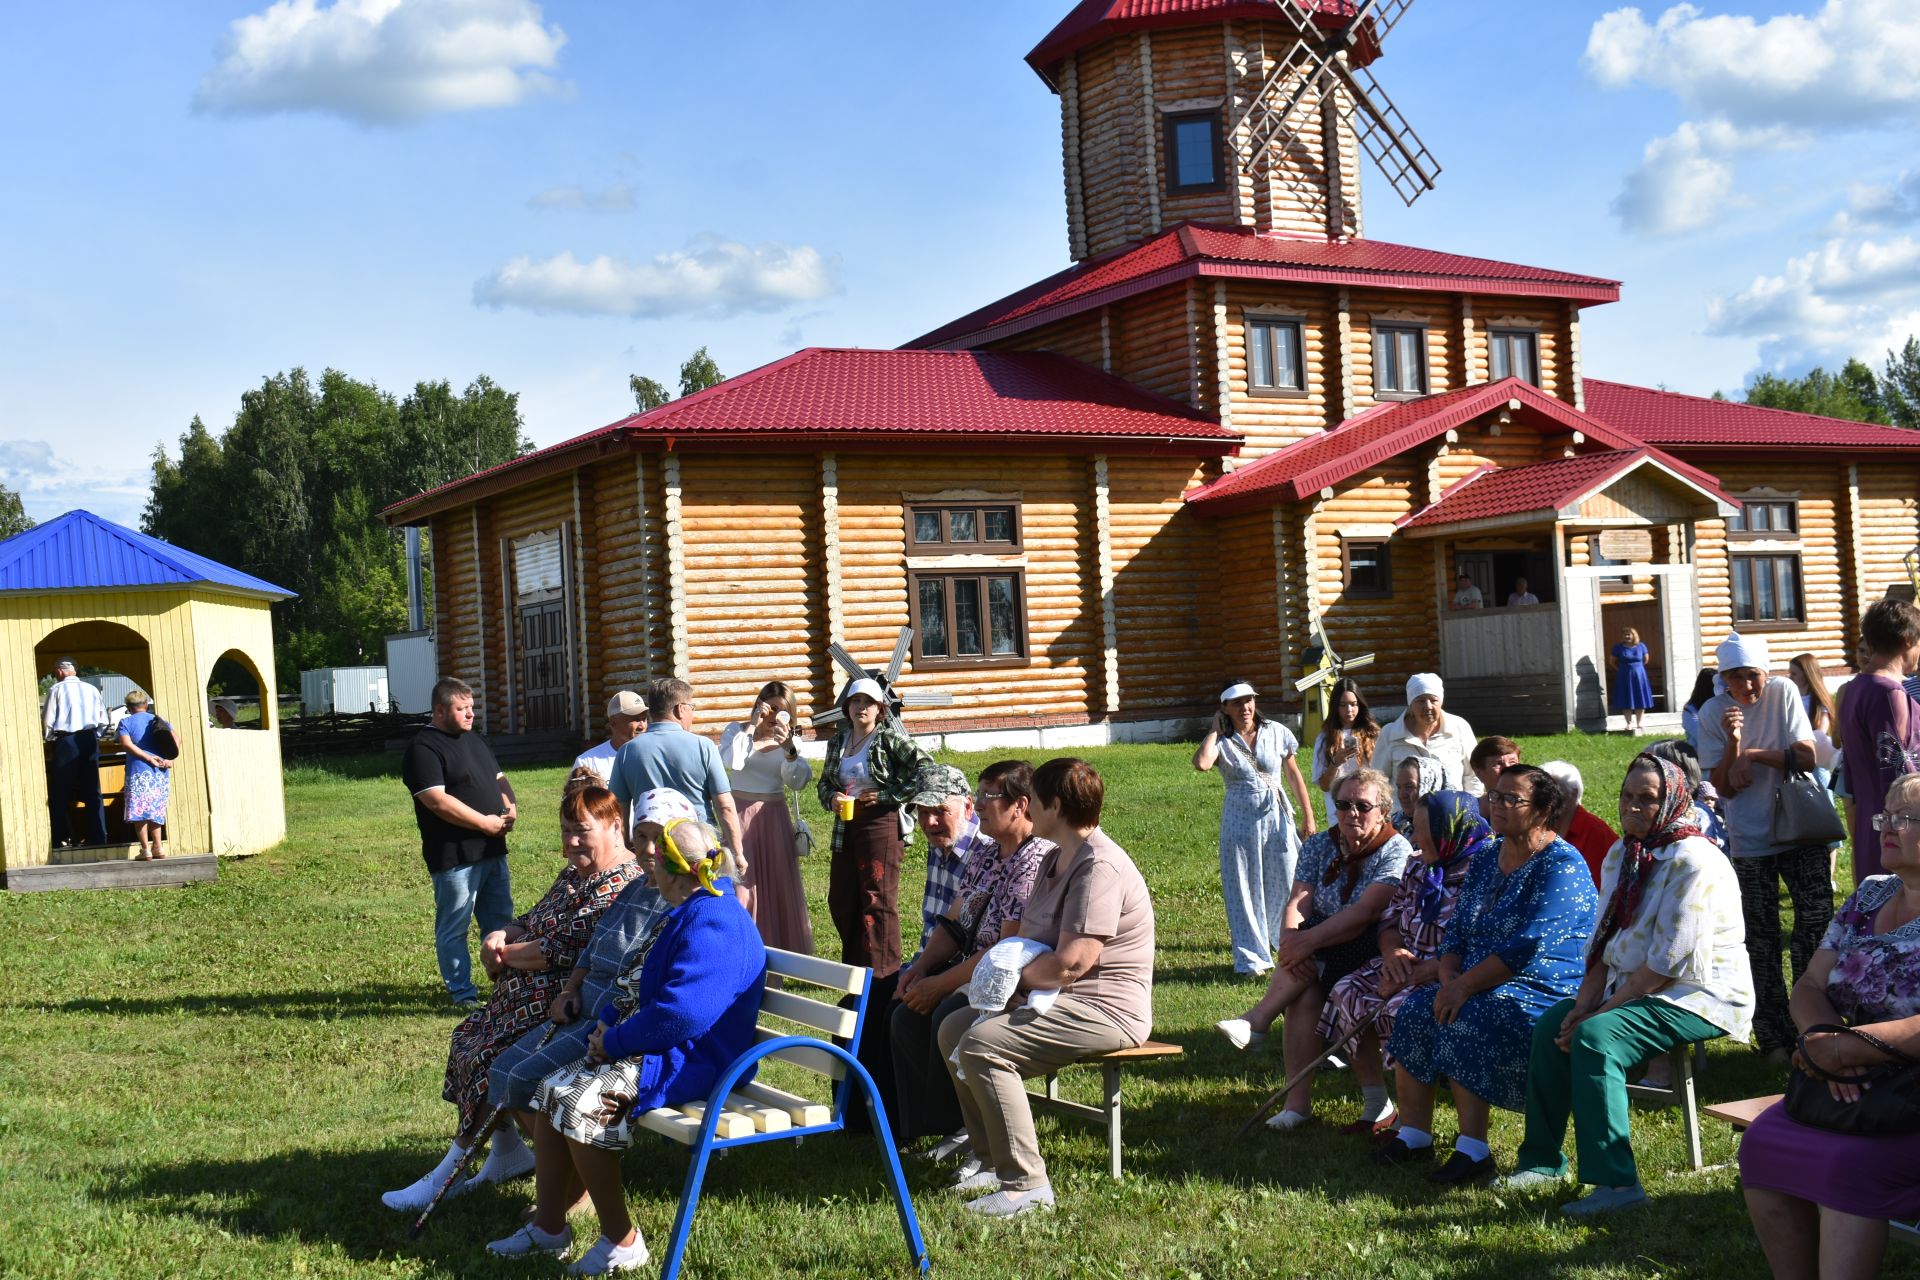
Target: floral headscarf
x=1458 y=832
x=1672 y=823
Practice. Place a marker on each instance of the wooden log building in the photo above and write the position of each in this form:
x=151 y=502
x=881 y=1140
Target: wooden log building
x=1099 y=498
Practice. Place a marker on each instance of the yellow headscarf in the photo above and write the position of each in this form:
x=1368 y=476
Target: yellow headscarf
x=678 y=862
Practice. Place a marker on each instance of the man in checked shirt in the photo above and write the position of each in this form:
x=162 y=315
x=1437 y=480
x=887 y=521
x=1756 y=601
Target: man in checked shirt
x=73 y=717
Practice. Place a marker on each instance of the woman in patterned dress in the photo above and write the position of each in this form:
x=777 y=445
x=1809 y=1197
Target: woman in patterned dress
x=1257 y=841
x=1514 y=948
x=1820 y=1200
x=1667 y=966
x=149 y=774
x=1448 y=832
x=530 y=961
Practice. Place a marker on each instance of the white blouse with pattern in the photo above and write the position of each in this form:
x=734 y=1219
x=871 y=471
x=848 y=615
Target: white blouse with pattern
x=1688 y=928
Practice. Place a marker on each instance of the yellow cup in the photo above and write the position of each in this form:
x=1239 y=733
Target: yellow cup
x=843 y=808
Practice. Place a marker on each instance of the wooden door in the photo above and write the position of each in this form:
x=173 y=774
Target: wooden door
x=545 y=674
x=1646 y=617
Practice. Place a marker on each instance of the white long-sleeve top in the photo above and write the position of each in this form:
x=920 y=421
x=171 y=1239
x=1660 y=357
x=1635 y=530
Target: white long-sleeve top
x=72 y=705
x=760 y=772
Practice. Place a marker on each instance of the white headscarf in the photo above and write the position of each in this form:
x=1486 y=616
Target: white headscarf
x=1424 y=683
x=1742 y=651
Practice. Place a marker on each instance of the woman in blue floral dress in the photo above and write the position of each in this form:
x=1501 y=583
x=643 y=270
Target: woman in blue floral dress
x=1515 y=948
x=149 y=774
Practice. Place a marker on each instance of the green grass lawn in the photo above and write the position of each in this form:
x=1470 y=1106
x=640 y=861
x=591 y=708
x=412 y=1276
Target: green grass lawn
x=218 y=1081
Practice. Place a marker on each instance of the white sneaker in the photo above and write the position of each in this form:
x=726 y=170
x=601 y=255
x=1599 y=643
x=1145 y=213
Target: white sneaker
x=529 y=1240
x=518 y=1163
x=1287 y=1121
x=949 y=1146
x=417 y=1196
x=1240 y=1033
x=973 y=1175
x=1011 y=1204
x=607 y=1257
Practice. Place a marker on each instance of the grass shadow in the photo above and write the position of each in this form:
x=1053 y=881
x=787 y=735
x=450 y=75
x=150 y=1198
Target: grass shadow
x=372 y=1001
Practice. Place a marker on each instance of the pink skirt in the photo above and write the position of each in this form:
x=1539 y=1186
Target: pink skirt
x=771 y=890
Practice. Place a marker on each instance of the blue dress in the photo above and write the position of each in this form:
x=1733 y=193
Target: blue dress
x=1632 y=691
x=1258 y=844
x=147 y=788
x=1537 y=921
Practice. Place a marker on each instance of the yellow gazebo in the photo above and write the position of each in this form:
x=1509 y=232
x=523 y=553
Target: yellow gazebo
x=109 y=597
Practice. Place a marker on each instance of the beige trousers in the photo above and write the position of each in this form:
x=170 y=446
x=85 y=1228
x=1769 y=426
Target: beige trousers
x=995 y=1053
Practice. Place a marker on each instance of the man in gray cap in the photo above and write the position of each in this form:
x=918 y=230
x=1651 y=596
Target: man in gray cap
x=943 y=806
x=626 y=719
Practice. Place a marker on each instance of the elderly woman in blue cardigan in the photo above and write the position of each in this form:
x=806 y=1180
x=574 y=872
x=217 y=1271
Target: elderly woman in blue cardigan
x=683 y=1011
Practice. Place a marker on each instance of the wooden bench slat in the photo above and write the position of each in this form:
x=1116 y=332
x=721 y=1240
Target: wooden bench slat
x=800 y=1055
x=804 y=1112
x=819 y=1015
x=1744 y=1112
x=670 y=1124
x=833 y=975
x=740 y=1118
x=1138 y=1053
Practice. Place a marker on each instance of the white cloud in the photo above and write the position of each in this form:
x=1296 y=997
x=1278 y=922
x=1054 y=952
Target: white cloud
x=1754 y=84
x=382 y=61
x=1851 y=297
x=1685 y=180
x=1882 y=206
x=710 y=277
x=615 y=199
x=49 y=485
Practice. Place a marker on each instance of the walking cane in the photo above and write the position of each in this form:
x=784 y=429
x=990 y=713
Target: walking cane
x=1306 y=1071
x=487 y=1125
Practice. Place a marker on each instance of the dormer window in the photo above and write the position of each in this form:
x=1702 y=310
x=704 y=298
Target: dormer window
x=1194 y=162
x=1400 y=360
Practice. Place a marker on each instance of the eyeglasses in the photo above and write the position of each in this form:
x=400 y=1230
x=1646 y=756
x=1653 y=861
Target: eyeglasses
x=990 y=795
x=1894 y=821
x=1357 y=806
x=1508 y=800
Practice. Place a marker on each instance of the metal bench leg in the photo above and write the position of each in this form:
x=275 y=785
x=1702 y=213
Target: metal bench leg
x=1053 y=1085
x=1689 y=1104
x=689 y=1201
x=1110 y=1103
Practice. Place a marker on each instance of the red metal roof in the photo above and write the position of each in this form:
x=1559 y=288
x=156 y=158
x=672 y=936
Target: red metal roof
x=1385 y=431
x=1192 y=250
x=1542 y=488
x=1092 y=21
x=823 y=398
x=1695 y=422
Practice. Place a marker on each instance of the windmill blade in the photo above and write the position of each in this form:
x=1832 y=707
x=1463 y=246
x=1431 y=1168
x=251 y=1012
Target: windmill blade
x=927 y=699
x=853 y=669
x=1386 y=136
x=1268 y=123
x=832 y=715
x=1364 y=660
x=1375 y=18
x=1315 y=680
x=899 y=659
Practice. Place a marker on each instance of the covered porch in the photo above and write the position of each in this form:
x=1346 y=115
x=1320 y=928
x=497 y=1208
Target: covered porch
x=1562 y=557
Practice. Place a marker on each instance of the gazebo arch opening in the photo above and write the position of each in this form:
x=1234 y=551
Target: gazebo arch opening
x=98 y=648
x=235 y=694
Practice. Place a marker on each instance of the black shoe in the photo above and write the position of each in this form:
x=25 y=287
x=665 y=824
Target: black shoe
x=1394 y=1152
x=1459 y=1171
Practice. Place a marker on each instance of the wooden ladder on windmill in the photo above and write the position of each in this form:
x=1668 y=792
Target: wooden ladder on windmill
x=1325 y=70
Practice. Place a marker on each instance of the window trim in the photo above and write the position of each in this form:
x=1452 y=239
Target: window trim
x=980 y=546
x=1765 y=535
x=1508 y=332
x=1170 y=157
x=1799 y=590
x=980 y=573
x=1298 y=326
x=1351 y=592
x=1385 y=327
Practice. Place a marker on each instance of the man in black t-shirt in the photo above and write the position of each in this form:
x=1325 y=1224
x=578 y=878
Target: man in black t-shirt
x=465 y=807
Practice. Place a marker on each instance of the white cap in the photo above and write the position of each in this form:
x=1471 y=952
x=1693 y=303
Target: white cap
x=626 y=703
x=1742 y=651
x=1424 y=683
x=663 y=806
x=1235 y=692
x=867 y=685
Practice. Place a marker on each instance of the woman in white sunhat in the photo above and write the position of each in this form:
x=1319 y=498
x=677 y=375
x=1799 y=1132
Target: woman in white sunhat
x=1258 y=845
x=1428 y=729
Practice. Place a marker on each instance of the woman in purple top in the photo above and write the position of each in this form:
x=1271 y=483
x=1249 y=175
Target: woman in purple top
x=1820 y=1200
x=1879 y=722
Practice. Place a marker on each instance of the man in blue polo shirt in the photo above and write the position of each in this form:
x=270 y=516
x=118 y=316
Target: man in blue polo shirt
x=670 y=754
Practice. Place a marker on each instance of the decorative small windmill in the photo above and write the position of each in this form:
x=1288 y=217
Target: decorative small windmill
x=1284 y=111
x=1324 y=669
x=897 y=699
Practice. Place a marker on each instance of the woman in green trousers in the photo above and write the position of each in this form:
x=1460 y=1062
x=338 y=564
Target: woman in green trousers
x=1667 y=966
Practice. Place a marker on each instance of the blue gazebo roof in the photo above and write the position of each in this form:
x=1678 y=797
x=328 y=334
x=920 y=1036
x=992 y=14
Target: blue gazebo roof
x=79 y=551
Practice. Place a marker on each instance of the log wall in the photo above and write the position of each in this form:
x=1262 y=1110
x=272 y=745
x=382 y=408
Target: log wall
x=457 y=606
x=1167 y=593
x=1400 y=629
x=627 y=606
x=1112 y=157
x=545 y=505
x=1273 y=421
x=1889 y=523
x=1252 y=647
x=1828 y=632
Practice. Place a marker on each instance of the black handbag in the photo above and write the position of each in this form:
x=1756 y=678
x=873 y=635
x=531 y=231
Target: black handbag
x=1803 y=812
x=166 y=744
x=1889 y=1094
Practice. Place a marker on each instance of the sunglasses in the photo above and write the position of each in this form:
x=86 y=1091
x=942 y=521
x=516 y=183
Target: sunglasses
x=1357 y=806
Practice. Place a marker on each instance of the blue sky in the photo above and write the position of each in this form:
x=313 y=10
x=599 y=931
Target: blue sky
x=558 y=194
